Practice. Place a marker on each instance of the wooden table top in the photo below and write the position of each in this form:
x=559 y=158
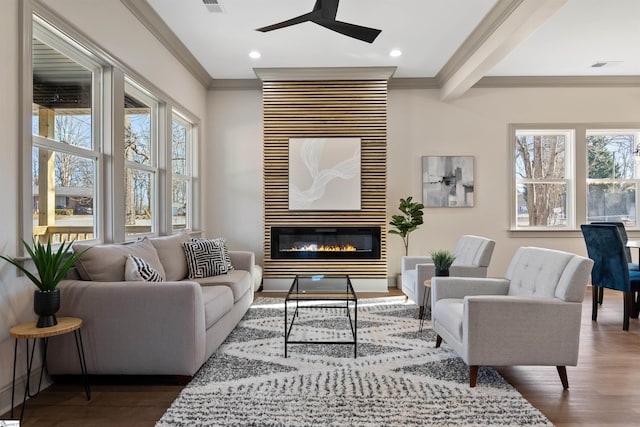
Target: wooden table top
x=427 y=283
x=29 y=329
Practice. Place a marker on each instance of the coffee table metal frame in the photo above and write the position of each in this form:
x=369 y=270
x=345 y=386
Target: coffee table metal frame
x=321 y=288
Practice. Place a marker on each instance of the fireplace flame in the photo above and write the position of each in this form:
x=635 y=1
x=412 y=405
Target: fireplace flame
x=325 y=248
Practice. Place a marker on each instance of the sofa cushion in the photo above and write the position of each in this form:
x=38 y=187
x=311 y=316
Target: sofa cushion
x=218 y=301
x=239 y=281
x=137 y=269
x=205 y=258
x=171 y=254
x=106 y=263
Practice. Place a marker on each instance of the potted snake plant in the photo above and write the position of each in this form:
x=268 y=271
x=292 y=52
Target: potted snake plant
x=442 y=260
x=52 y=266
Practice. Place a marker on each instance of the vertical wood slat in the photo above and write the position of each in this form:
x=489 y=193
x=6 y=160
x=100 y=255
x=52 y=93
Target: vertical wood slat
x=325 y=109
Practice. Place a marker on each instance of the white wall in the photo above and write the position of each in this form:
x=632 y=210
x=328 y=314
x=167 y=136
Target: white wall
x=419 y=124
x=232 y=169
x=111 y=26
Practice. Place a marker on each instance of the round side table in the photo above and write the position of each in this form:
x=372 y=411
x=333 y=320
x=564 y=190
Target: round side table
x=29 y=331
x=425 y=300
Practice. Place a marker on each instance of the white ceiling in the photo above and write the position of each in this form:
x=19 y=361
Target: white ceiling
x=577 y=34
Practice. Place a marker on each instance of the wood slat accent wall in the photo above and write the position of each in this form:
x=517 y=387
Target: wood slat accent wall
x=308 y=109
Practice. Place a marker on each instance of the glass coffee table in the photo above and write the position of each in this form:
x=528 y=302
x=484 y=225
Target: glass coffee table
x=320 y=291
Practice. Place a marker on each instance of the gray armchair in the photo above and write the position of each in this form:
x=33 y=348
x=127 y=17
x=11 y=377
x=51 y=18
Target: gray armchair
x=531 y=317
x=473 y=254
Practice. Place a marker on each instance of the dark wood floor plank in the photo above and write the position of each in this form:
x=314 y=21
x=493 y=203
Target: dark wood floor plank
x=604 y=389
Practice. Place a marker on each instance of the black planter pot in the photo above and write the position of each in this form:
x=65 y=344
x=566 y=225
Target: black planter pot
x=442 y=273
x=46 y=304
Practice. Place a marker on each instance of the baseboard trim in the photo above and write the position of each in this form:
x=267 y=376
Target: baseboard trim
x=5 y=392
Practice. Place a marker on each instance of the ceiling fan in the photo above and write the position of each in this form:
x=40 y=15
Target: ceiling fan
x=324 y=13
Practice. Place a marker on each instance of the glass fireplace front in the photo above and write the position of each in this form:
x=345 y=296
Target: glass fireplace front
x=325 y=242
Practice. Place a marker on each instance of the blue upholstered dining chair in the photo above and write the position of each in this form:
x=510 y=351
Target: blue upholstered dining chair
x=611 y=269
x=627 y=250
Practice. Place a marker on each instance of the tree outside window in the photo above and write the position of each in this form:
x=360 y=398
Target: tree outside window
x=612 y=176
x=542 y=181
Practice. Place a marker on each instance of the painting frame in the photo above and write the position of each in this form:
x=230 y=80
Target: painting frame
x=448 y=181
x=325 y=174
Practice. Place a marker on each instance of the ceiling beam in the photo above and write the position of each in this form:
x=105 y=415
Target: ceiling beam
x=505 y=27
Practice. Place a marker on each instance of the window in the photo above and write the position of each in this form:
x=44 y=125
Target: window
x=575 y=174
x=109 y=157
x=612 y=181
x=140 y=151
x=544 y=179
x=181 y=181
x=65 y=153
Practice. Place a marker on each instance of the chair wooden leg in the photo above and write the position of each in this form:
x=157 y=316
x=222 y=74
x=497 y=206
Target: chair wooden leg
x=628 y=302
x=438 y=341
x=421 y=312
x=635 y=304
x=600 y=295
x=562 y=371
x=473 y=375
x=406 y=298
x=595 y=291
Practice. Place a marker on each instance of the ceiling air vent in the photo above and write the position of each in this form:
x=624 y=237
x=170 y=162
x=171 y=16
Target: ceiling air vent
x=213 y=6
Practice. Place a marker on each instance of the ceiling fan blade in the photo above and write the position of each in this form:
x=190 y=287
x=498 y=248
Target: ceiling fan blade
x=293 y=21
x=366 y=34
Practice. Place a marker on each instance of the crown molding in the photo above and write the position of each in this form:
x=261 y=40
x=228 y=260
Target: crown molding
x=152 y=21
x=235 y=84
x=414 y=83
x=396 y=83
x=328 y=73
x=557 y=81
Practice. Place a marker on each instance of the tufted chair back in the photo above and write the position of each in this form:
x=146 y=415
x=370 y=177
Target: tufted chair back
x=473 y=250
x=545 y=273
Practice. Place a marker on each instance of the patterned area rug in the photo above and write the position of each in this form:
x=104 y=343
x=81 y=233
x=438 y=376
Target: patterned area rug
x=398 y=379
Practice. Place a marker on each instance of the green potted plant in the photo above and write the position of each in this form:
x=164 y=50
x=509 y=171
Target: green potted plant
x=408 y=222
x=51 y=266
x=442 y=260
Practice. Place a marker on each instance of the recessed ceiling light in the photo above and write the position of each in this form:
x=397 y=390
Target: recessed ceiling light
x=395 y=53
x=255 y=54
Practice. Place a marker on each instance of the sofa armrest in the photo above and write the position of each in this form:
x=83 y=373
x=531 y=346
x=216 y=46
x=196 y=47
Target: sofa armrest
x=133 y=328
x=538 y=330
x=243 y=260
x=460 y=287
x=410 y=262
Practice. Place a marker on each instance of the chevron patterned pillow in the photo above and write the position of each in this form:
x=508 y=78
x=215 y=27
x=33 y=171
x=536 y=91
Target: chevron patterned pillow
x=137 y=269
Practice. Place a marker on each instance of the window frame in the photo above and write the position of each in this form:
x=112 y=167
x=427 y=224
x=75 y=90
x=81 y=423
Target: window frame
x=177 y=116
x=580 y=173
x=107 y=135
x=569 y=175
x=635 y=181
x=51 y=35
x=139 y=92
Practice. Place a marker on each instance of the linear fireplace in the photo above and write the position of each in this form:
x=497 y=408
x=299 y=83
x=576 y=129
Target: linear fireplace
x=325 y=243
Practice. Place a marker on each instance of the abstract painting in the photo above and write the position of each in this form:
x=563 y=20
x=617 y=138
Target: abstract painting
x=447 y=181
x=324 y=174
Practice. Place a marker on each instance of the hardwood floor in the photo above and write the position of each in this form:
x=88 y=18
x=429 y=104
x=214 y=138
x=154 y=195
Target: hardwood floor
x=604 y=387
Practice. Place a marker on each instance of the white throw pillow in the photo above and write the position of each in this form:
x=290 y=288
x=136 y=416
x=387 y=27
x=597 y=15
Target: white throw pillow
x=137 y=269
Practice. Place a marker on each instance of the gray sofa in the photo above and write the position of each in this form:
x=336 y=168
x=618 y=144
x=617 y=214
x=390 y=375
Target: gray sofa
x=145 y=328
